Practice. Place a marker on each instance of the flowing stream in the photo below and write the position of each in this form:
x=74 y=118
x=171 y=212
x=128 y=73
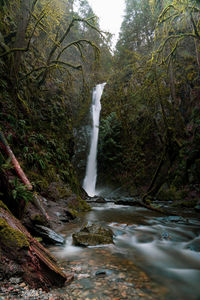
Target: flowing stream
x=153 y=257
x=89 y=182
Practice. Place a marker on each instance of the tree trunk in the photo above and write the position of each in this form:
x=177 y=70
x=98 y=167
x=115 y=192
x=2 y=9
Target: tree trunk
x=23 y=19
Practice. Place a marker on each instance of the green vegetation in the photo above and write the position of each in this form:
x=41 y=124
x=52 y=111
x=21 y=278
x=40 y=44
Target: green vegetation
x=154 y=99
x=51 y=56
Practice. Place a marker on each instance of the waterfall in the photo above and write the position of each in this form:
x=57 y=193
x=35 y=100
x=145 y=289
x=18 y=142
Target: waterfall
x=89 y=182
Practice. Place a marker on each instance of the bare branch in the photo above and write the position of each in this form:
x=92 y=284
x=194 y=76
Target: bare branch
x=77 y=44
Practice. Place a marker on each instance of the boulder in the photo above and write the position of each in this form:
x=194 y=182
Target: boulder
x=99 y=200
x=48 y=235
x=92 y=235
x=127 y=201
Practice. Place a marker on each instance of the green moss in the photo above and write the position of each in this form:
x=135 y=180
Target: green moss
x=11 y=237
x=77 y=206
x=38 y=180
x=170 y=194
x=185 y=203
x=39 y=219
x=74 y=212
x=2 y=205
x=83 y=205
x=51 y=173
x=64 y=191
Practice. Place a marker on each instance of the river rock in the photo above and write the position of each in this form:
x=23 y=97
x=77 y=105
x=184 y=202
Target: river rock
x=92 y=235
x=96 y=199
x=48 y=235
x=99 y=199
x=127 y=201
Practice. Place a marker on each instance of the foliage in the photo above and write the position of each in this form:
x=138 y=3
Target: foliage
x=49 y=57
x=109 y=149
x=20 y=192
x=154 y=94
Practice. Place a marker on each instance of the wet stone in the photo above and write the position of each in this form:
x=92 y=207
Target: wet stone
x=92 y=235
x=15 y=280
x=100 y=273
x=48 y=235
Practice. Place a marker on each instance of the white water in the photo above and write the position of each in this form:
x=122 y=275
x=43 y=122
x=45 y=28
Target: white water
x=89 y=182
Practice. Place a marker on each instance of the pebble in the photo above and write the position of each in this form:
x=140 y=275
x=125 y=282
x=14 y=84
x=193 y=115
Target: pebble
x=81 y=276
x=23 y=284
x=100 y=273
x=97 y=283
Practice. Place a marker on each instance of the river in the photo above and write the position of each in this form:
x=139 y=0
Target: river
x=153 y=257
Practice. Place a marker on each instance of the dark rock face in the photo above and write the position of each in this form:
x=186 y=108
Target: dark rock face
x=48 y=235
x=92 y=235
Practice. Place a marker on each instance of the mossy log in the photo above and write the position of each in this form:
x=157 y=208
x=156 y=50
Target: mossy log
x=33 y=262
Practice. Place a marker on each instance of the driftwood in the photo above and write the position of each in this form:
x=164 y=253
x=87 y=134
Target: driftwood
x=37 y=266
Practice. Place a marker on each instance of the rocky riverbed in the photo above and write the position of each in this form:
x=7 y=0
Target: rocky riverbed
x=113 y=272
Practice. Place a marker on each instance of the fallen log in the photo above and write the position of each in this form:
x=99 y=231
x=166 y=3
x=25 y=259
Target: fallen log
x=5 y=146
x=19 y=249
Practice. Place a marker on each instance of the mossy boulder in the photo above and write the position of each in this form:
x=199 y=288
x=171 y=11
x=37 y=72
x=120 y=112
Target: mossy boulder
x=92 y=235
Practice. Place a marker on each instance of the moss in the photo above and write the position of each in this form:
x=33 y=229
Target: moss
x=11 y=237
x=64 y=191
x=185 y=203
x=83 y=205
x=51 y=173
x=2 y=205
x=77 y=206
x=170 y=194
x=39 y=219
x=38 y=180
x=74 y=212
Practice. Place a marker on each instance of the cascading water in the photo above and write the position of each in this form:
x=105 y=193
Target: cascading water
x=89 y=182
